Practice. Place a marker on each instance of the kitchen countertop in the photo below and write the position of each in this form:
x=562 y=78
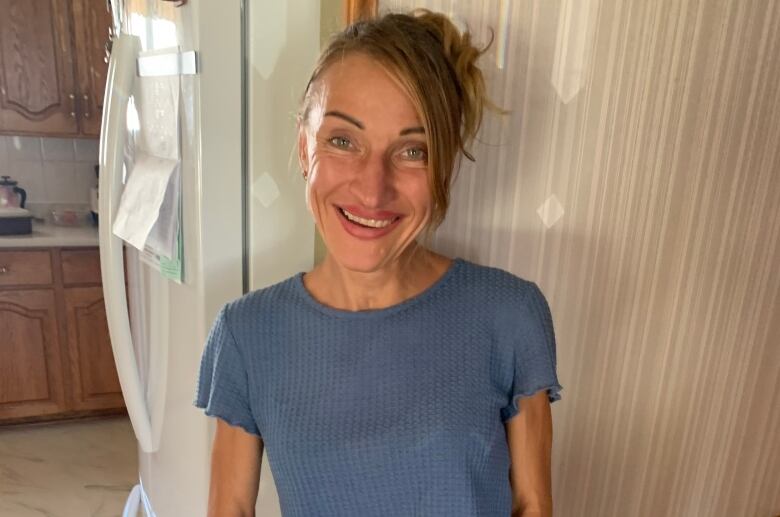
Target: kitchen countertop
x=48 y=236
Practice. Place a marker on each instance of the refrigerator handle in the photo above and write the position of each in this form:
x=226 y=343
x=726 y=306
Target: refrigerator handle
x=113 y=130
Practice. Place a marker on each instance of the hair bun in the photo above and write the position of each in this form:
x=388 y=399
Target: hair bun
x=462 y=56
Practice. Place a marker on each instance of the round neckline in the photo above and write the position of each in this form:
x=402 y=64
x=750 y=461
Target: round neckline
x=300 y=287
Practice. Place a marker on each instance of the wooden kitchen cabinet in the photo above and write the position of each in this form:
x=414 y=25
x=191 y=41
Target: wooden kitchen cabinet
x=56 y=359
x=93 y=374
x=91 y=22
x=25 y=268
x=37 y=82
x=52 y=72
x=30 y=365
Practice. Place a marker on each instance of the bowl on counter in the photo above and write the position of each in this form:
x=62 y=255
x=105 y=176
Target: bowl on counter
x=70 y=216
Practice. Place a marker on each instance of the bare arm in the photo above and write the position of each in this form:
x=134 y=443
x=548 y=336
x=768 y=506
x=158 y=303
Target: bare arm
x=235 y=472
x=529 y=436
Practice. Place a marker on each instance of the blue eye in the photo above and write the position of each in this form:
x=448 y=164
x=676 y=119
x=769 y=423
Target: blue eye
x=415 y=154
x=340 y=142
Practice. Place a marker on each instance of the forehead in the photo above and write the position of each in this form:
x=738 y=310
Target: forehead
x=361 y=86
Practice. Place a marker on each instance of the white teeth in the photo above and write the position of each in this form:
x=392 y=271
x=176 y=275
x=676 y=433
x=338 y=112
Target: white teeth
x=374 y=223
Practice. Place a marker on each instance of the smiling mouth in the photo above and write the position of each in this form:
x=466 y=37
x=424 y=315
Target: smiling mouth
x=376 y=224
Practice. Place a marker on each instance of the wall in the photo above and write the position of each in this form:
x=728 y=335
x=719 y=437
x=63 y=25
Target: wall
x=331 y=19
x=51 y=170
x=635 y=179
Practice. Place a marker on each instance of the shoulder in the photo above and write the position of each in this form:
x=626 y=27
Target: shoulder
x=494 y=284
x=257 y=305
x=509 y=297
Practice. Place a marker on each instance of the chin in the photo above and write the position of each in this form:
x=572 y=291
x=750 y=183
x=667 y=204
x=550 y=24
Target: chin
x=367 y=256
x=363 y=263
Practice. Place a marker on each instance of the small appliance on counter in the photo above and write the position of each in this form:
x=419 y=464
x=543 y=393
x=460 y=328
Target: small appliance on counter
x=15 y=221
x=14 y=218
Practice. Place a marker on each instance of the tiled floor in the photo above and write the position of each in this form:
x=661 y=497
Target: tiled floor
x=69 y=469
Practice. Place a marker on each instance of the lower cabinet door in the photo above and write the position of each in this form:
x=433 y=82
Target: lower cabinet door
x=31 y=382
x=95 y=384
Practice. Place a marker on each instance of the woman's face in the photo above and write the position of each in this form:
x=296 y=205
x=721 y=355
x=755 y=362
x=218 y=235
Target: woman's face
x=364 y=149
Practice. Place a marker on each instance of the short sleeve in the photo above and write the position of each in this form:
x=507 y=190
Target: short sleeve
x=533 y=349
x=223 y=387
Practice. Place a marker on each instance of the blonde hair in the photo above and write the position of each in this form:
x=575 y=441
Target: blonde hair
x=436 y=64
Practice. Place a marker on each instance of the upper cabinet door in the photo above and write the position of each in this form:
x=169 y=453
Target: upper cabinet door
x=91 y=23
x=37 y=90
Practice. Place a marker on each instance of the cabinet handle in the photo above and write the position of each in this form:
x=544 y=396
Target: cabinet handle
x=72 y=97
x=4 y=270
x=86 y=105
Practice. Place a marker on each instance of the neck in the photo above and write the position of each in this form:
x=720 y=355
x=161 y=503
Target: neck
x=336 y=286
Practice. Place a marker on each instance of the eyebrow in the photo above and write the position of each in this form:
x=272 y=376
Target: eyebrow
x=346 y=117
x=360 y=125
x=410 y=130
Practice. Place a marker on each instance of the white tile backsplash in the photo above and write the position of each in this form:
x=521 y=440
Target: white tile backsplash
x=3 y=156
x=63 y=183
x=51 y=170
x=29 y=175
x=86 y=150
x=85 y=174
x=24 y=148
x=58 y=149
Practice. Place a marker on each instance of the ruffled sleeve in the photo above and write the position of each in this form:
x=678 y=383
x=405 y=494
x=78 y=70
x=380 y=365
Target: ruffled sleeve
x=223 y=387
x=533 y=350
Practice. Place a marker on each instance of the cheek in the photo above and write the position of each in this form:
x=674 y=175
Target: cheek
x=332 y=171
x=325 y=177
x=322 y=176
x=419 y=194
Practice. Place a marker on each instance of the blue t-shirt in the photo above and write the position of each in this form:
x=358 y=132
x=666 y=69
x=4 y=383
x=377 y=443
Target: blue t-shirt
x=384 y=412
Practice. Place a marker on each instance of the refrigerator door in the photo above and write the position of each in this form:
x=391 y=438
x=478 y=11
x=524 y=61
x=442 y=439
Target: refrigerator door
x=169 y=321
x=237 y=234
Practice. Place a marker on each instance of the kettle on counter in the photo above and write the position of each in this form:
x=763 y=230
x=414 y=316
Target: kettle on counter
x=11 y=194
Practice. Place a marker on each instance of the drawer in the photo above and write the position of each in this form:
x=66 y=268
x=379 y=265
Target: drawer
x=80 y=266
x=25 y=268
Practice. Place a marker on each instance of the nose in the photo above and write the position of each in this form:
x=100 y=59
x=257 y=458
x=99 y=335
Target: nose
x=372 y=184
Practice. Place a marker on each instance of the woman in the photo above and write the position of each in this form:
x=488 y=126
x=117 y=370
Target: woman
x=389 y=380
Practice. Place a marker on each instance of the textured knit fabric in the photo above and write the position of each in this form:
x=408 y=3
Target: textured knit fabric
x=388 y=412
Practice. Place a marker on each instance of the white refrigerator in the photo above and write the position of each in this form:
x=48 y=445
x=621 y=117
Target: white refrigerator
x=241 y=70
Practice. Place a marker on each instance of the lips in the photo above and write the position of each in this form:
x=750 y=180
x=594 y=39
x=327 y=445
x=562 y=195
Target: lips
x=370 y=214
x=375 y=223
